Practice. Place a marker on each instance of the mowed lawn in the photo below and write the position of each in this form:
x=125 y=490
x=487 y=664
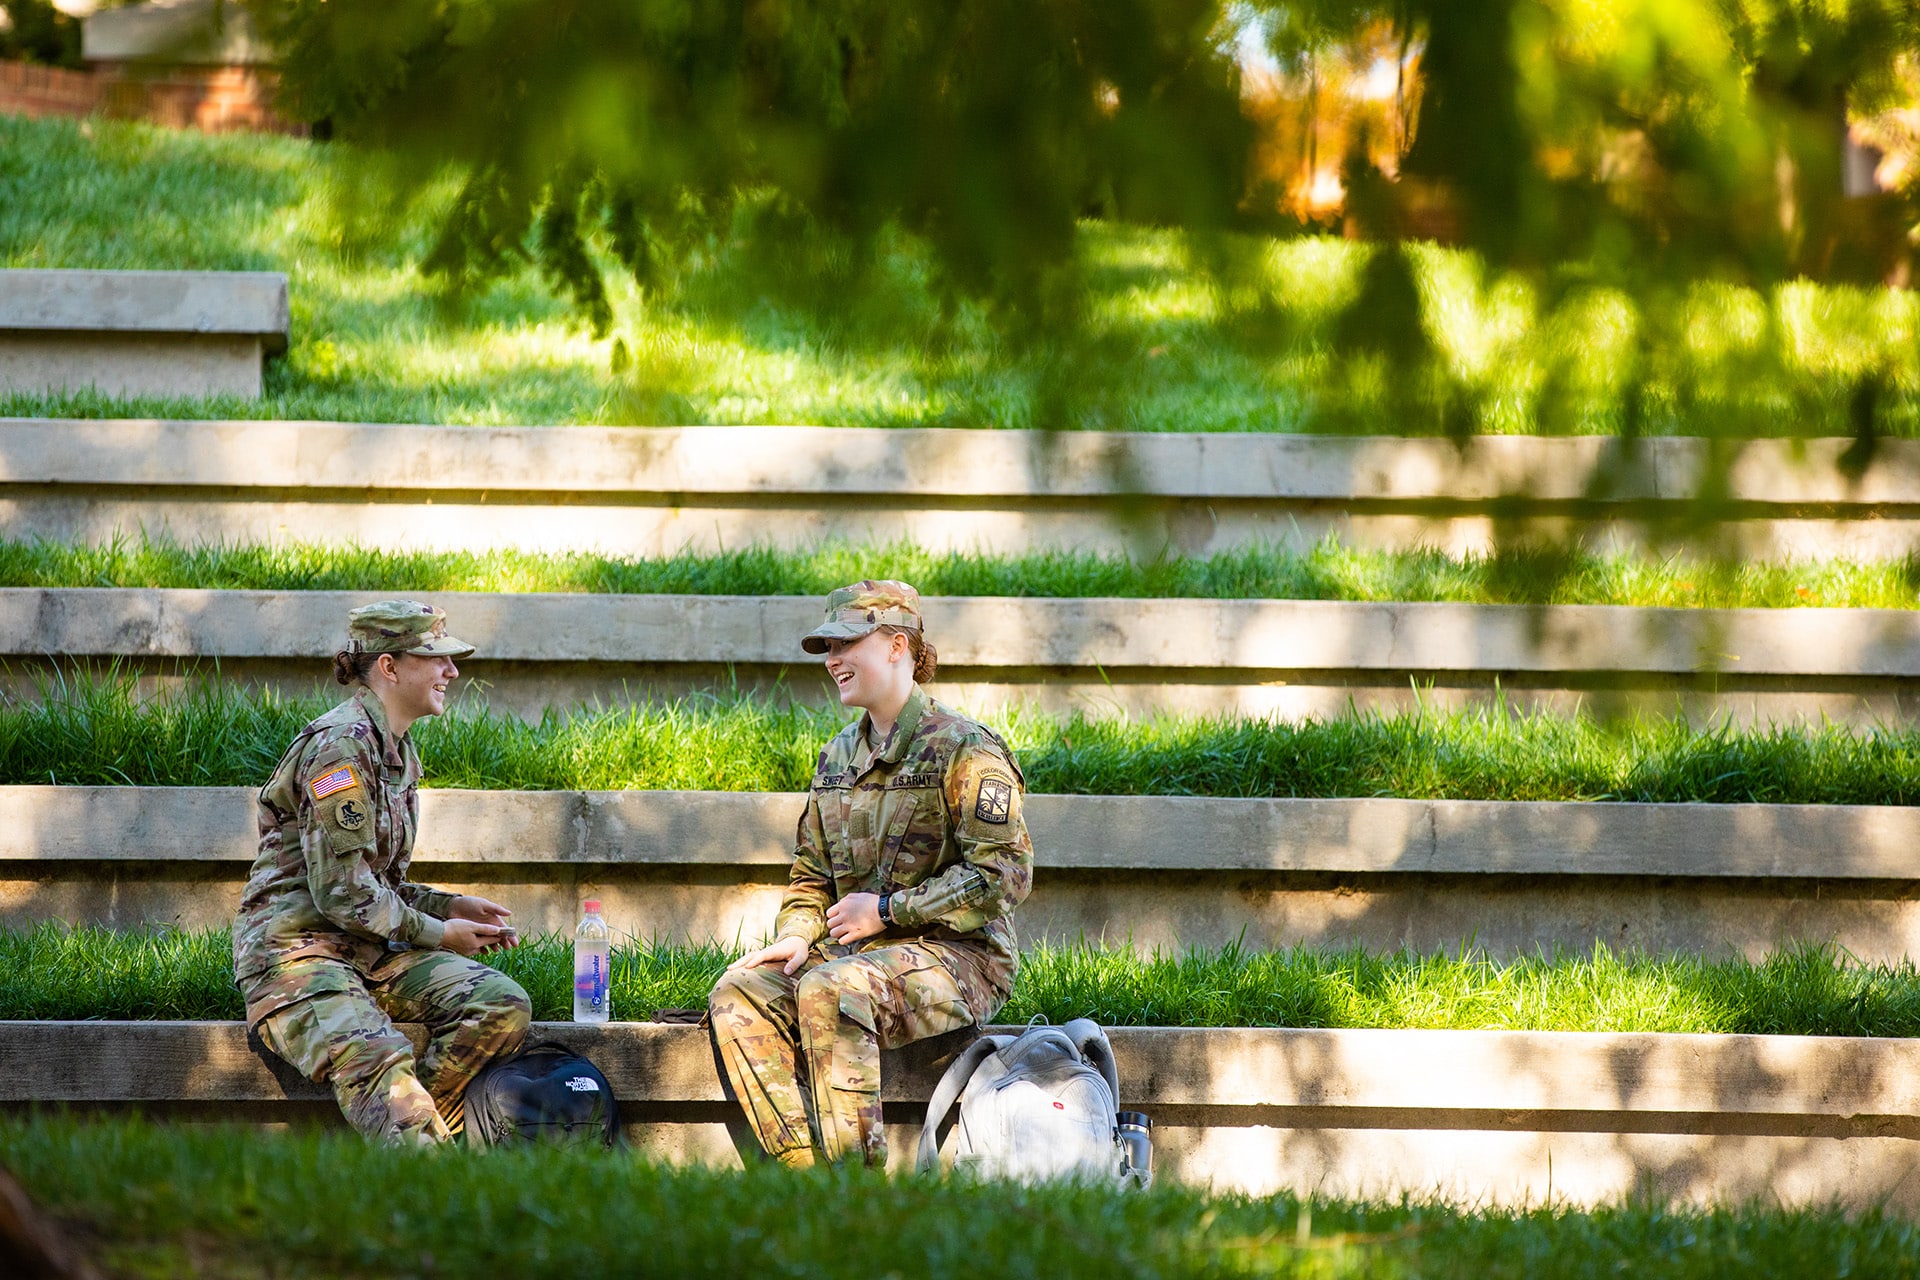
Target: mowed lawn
x=51 y=971
x=1235 y=336
x=1329 y=571
x=95 y=730
x=227 y=1202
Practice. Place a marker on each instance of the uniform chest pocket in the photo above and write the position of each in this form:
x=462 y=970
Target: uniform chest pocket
x=911 y=849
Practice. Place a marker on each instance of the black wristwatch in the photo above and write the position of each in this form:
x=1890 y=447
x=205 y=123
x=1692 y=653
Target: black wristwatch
x=886 y=909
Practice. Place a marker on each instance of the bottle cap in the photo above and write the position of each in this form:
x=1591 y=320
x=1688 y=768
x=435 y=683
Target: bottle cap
x=592 y=906
x=1133 y=1119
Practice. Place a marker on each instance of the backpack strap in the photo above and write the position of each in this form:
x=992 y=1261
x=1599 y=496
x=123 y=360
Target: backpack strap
x=944 y=1094
x=1092 y=1043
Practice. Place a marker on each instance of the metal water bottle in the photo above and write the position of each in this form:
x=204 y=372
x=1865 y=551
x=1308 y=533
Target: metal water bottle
x=592 y=962
x=1136 y=1135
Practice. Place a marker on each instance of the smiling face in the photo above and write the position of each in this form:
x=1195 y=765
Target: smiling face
x=874 y=671
x=417 y=685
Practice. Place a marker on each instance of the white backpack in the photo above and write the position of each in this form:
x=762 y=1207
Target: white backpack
x=1041 y=1104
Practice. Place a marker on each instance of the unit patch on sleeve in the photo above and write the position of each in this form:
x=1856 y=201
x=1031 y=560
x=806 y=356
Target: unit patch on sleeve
x=339 y=780
x=351 y=813
x=996 y=800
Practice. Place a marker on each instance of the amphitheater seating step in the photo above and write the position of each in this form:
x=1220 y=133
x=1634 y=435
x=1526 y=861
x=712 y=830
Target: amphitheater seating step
x=140 y=333
x=1473 y=1116
x=1261 y=657
x=661 y=490
x=1152 y=870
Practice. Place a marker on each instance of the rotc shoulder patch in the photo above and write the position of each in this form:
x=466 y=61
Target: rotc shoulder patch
x=339 y=780
x=351 y=813
x=996 y=799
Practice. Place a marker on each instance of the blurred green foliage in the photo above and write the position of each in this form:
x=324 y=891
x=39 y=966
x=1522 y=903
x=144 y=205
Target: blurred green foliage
x=986 y=127
x=35 y=31
x=1611 y=167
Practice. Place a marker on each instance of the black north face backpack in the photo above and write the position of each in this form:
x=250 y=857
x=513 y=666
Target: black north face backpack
x=545 y=1094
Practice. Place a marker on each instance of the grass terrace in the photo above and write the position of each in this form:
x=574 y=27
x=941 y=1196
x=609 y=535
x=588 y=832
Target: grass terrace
x=95 y=731
x=218 y=1200
x=51 y=971
x=1330 y=571
x=1167 y=348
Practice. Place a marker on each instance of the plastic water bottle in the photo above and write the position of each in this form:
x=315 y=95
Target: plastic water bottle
x=592 y=955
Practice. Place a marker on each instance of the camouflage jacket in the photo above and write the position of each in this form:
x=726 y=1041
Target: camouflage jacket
x=337 y=821
x=934 y=818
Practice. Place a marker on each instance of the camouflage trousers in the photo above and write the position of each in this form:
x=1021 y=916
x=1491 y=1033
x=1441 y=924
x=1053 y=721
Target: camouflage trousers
x=341 y=1033
x=828 y=1024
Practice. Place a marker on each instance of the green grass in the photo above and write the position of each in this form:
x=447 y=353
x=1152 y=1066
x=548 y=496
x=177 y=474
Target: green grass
x=52 y=971
x=1329 y=571
x=1168 y=346
x=94 y=731
x=230 y=1201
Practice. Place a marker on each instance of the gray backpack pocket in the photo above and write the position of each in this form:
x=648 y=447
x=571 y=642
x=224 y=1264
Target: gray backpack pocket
x=1033 y=1107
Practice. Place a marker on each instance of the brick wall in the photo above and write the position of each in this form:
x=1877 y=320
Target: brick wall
x=214 y=99
x=30 y=90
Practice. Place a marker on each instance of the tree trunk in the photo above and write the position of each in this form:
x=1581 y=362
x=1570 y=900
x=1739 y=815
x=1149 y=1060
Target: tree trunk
x=31 y=1247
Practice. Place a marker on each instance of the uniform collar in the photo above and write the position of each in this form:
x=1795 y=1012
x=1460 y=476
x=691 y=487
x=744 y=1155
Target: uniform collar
x=376 y=714
x=903 y=728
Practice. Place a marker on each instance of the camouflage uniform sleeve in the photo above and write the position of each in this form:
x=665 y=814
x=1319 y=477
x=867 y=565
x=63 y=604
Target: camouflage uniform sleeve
x=425 y=898
x=803 y=911
x=342 y=883
x=985 y=797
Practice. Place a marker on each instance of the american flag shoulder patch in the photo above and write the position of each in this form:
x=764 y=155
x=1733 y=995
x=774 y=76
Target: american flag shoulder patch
x=339 y=780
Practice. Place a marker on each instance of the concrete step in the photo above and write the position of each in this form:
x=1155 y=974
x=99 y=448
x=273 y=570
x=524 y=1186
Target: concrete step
x=140 y=333
x=1260 y=657
x=1152 y=870
x=654 y=491
x=1501 y=1117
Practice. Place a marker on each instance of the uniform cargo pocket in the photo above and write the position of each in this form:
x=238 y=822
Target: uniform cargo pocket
x=856 y=1050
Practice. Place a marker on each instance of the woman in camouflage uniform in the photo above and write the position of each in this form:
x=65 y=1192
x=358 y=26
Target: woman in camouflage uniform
x=897 y=921
x=332 y=943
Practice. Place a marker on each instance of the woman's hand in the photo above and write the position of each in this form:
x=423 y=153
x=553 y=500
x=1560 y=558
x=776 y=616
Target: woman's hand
x=479 y=910
x=469 y=938
x=788 y=953
x=854 y=917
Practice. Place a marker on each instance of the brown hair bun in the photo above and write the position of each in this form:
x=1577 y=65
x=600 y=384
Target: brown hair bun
x=351 y=668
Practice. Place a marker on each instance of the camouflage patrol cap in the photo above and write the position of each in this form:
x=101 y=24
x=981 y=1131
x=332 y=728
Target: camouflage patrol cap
x=403 y=626
x=854 y=611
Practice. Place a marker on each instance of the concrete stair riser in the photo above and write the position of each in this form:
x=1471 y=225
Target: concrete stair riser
x=140 y=333
x=647 y=490
x=1156 y=871
x=529 y=690
x=1502 y=1117
x=949 y=462
x=1262 y=657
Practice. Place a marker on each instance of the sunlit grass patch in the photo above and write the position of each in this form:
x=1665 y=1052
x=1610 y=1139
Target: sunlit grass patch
x=95 y=730
x=1234 y=334
x=1329 y=571
x=52 y=971
x=1800 y=991
x=150 y=1199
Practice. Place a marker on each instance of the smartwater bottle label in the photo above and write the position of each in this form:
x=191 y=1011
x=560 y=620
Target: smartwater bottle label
x=590 y=983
